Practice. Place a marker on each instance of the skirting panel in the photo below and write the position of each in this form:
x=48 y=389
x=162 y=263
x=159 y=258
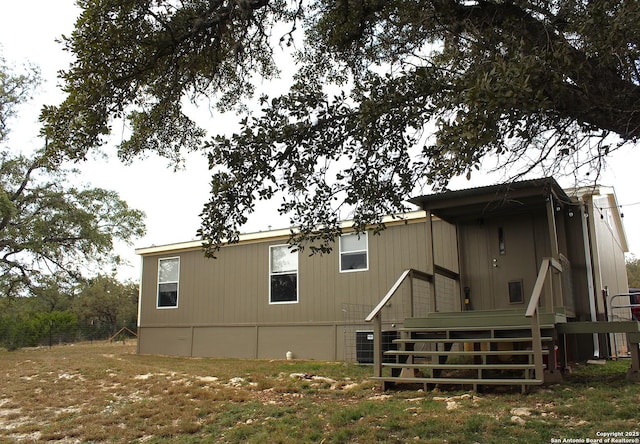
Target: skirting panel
x=173 y=341
x=305 y=342
x=247 y=342
x=224 y=342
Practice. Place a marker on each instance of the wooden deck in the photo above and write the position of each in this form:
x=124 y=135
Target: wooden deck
x=473 y=348
x=478 y=348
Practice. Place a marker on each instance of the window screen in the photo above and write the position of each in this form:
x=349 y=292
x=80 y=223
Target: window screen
x=283 y=275
x=168 y=282
x=354 y=252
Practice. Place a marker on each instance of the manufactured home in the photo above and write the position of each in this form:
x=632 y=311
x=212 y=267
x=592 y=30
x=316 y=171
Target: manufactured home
x=517 y=278
x=258 y=299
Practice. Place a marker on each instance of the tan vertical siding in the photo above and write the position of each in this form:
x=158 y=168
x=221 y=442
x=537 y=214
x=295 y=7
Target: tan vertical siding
x=613 y=273
x=610 y=249
x=233 y=291
x=445 y=245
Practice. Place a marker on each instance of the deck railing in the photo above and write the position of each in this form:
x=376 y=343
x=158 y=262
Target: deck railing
x=634 y=308
x=376 y=314
x=626 y=310
x=533 y=312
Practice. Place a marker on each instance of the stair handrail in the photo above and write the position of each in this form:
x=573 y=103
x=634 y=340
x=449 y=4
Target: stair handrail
x=388 y=296
x=534 y=313
x=376 y=315
x=547 y=263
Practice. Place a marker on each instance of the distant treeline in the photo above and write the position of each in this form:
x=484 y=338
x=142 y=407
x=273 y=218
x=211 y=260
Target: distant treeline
x=95 y=310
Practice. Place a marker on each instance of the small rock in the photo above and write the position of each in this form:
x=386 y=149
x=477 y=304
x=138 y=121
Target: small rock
x=300 y=375
x=518 y=420
x=379 y=397
x=143 y=377
x=521 y=411
x=452 y=405
x=323 y=379
x=207 y=378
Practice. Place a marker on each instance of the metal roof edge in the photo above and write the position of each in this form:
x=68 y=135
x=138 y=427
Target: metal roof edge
x=489 y=189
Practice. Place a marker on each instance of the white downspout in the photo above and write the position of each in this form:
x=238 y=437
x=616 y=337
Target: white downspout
x=590 y=287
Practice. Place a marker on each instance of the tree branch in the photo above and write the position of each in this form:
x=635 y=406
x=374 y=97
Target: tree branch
x=589 y=90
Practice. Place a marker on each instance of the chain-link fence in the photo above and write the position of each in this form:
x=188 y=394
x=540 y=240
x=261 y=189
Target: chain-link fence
x=37 y=331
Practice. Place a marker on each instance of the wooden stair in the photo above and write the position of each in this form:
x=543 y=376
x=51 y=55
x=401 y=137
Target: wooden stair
x=473 y=348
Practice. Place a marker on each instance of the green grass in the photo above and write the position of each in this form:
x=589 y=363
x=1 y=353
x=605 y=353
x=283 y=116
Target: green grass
x=107 y=393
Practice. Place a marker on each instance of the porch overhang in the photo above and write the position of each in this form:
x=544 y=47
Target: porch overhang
x=494 y=199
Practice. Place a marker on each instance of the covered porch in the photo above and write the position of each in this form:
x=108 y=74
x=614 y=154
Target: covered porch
x=524 y=278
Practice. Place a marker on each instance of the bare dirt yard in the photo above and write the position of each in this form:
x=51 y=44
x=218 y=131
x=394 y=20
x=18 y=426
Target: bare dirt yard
x=105 y=392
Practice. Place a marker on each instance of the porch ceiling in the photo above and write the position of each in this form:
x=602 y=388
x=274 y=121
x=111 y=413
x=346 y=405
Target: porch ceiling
x=491 y=200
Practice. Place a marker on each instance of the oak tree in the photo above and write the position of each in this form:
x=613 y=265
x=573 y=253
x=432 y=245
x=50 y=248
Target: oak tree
x=387 y=96
x=51 y=232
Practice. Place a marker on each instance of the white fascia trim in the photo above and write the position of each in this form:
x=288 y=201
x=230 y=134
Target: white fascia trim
x=282 y=233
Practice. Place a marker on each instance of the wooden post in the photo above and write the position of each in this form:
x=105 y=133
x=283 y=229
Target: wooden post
x=411 y=295
x=537 y=345
x=377 y=345
x=432 y=262
x=554 y=298
x=633 y=341
x=533 y=312
x=634 y=370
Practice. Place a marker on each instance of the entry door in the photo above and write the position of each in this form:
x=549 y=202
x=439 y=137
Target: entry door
x=512 y=261
x=499 y=262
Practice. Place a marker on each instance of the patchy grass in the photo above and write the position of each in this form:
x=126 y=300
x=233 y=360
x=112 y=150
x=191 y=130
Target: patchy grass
x=107 y=393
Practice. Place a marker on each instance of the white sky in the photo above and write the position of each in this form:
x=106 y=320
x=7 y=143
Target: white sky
x=172 y=200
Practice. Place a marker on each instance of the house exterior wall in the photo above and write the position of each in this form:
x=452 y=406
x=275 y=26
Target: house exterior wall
x=611 y=249
x=611 y=276
x=223 y=307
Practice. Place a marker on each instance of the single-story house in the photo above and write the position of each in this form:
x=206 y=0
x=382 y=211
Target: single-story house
x=467 y=261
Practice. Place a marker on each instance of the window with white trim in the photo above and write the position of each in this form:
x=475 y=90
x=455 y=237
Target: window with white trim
x=168 y=282
x=354 y=255
x=283 y=275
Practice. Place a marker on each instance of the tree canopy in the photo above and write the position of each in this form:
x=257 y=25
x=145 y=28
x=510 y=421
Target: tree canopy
x=108 y=302
x=387 y=96
x=51 y=233
x=633 y=272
